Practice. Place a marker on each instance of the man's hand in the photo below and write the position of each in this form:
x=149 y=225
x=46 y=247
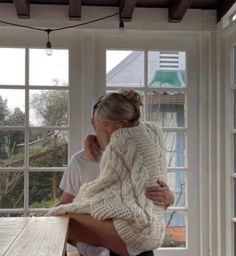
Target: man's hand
x=160 y=194
x=91 y=147
x=66 y=198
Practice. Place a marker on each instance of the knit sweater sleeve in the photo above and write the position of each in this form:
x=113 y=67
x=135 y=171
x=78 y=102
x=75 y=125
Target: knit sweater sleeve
x=118 y=192
x=102 y=197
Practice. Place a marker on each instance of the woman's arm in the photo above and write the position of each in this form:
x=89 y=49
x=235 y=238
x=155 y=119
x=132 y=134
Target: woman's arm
x=159 y=194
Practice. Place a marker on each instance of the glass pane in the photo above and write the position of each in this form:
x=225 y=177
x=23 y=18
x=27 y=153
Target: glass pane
x=177 y=182
x=166 y=69
x=125 y=68
x=12 y=148
x=44 y=189
x=175 y=229
x=12 y=107
x=48 y=70
x=12 y=66
x=48 y=148
x=11 y=189
x=175 y=149
x=166 y=108
x=49 y=107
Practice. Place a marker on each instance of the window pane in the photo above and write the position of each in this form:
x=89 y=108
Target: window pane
x=48 y=70
x=175 y=149
x=44 y=189
x=125 y=68
x=177 y=183
x=166 y=69
x=166 y=108
x=49 y=107
x=48 y=148
x=12 y=148
x=175 y=229
x=12 y=66
x=12 y=105
x=11 y=189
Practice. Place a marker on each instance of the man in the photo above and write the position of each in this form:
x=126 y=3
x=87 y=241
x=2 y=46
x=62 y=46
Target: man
x=84 y=168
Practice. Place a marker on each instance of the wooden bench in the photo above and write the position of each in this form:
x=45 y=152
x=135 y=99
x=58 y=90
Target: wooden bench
x=33 y=236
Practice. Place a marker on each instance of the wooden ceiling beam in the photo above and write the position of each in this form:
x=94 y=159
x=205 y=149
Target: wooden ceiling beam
x=177 y=9
x=127 y=9
x=22 y=8
x=75 y=9
x=223 y=8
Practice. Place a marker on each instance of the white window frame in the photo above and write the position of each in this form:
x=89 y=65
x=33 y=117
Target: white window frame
x=162 y=42
x=75 y=107
x=230 y=132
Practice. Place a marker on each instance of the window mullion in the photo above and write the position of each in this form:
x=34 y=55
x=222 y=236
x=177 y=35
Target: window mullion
x=26 y=176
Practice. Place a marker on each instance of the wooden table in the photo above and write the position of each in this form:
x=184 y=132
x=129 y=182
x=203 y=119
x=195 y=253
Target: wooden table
x=33 y=236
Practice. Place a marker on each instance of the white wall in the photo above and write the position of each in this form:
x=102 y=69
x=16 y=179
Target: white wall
x=149 y=29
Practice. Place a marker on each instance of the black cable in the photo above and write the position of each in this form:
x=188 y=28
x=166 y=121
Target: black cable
x=85 y=23
x=22 y=26
x=60 y=28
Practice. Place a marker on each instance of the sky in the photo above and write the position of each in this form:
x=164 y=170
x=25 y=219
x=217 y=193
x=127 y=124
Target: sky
x=43 y=70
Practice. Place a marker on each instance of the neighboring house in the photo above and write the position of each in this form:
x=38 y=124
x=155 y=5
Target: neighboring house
x=165 y=69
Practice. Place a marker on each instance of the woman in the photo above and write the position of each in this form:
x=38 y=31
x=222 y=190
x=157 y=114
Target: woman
x=124 y=220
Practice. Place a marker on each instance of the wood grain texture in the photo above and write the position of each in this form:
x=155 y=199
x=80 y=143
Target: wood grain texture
x=22 y=8
x=42 y=236
x=75 y=9
x=177 y=9
x=10 y=228
x=127 y=9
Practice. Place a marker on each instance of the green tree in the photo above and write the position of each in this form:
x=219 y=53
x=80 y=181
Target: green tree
x=4 y=111
x=10 y=139
x=16 y=118
x=51 y=107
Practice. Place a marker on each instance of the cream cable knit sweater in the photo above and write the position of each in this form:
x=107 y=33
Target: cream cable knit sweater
x=133 y=161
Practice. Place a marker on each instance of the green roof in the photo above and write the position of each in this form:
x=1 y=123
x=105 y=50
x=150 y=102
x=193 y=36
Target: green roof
x=168 y=78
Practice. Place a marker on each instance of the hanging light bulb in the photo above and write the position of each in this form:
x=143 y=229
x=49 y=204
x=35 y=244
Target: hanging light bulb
x=48 y=44
x=121 y=25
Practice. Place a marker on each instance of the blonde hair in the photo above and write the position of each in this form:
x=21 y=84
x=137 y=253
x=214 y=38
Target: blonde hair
x=123 y=106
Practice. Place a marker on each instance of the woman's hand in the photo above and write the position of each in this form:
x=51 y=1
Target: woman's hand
x=160 y=194
x=91 y=147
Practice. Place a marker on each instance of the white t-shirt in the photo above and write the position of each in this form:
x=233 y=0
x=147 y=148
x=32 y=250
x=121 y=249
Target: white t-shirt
x=79 y=171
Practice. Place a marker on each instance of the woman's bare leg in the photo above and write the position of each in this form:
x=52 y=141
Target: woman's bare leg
x=85 y=228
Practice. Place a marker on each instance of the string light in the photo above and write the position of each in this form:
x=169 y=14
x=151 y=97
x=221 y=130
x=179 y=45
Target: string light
x=234 y=17
x=48 y=44
x=49 y=30
x=121 y=25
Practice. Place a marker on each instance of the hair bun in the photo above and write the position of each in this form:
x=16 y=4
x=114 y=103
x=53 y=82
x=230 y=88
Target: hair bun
x=135 y=99
x=132 y=96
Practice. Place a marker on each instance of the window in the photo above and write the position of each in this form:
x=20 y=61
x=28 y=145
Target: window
x=160 y=77
x=34 y=128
